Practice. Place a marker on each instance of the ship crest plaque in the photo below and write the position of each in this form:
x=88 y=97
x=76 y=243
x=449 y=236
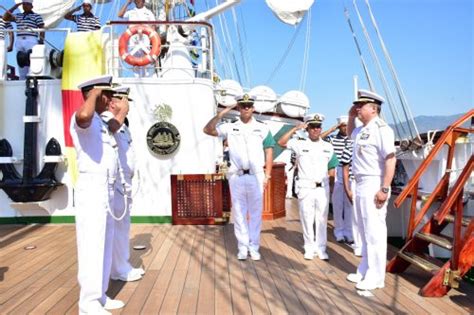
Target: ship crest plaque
x=163 y=138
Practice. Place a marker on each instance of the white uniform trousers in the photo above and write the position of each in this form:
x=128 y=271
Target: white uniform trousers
x=356 y=233
x=246 y=193
x=342 y=212
x=94 y=232
x=3 y=59
x=25 y=43
x=121 y=242
x=313 y=207
x=373 y=230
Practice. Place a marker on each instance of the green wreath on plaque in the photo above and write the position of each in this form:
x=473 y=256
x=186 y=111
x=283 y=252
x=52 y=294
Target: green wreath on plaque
x=163 y=138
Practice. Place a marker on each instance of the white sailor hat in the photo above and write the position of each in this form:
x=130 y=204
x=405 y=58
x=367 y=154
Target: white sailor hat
x=365 y=96
x=122 y=91
x=245 y=99
x=103 y=82
x=27 y=1
x=314 y=118
x=342 y=120
x=89 y=2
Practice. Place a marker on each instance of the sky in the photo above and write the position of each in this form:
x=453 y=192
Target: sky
x=431 y=43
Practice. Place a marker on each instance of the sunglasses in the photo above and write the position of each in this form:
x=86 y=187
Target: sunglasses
x=311 y=126
x=245 y=106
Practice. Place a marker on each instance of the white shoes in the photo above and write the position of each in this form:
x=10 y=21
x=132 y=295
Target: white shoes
x=354 y=277
x=255 y=255
x=133 y=275
x=308 y=255
x=366 y=285
x=322 y=255
x=242 y=255
x=113 y=304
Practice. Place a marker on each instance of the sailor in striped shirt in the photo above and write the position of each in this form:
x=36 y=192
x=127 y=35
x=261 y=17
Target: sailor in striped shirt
x=341 y=205
x=86 y=21
x=25 y=22
x=3 y=57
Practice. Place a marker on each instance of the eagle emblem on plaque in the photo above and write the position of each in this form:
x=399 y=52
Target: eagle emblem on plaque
x=163 y=137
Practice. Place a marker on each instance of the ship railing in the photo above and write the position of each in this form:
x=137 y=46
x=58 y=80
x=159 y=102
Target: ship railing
x=186 y=50
x=441 y=191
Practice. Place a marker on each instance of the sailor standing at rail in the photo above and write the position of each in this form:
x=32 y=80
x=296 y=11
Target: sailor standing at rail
x=86 y=21
x=250 y=149
x=3 y=56
x=316 y=162
x=26 y=38
x=122 y=203
x=373 y=164
x=97 y=160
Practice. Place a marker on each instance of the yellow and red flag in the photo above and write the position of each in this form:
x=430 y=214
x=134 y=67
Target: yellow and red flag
x=83 y=60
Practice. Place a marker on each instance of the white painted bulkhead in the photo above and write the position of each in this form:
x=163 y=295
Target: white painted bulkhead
x=192 y=103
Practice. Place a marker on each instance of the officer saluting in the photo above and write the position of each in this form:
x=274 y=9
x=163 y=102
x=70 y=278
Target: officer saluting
x=121 y=268
x=97 y=161
x=316 y=162
x=373 y=165
x=250 y=149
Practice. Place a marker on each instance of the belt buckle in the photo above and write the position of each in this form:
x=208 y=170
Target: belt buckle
x=245 y=172
x=318 y=185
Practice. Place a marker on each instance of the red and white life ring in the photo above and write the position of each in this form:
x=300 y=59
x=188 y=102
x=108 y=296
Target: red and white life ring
x=148 y=57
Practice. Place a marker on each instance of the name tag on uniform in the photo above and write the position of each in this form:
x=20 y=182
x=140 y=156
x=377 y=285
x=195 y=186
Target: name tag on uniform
x=326 y=151
x=257 y=130
x=305 y=150
x=235 y=129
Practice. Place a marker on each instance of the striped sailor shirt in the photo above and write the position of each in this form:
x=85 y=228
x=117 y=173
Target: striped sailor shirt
x=4 y=26
x=25 y=21
x=86 y=23
x=338 y=143
x=346 y=158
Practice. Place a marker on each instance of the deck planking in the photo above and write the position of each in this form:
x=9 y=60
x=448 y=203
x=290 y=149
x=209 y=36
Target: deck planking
x=194 y=270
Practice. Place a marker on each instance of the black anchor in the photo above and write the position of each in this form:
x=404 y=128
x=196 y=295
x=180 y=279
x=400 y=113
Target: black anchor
x=30 y=188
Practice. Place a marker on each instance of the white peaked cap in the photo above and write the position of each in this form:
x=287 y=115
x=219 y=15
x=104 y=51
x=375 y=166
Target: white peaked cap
x=245 y=98
x=27 y=1
x=103 y=81
x=342 y=119
x=87 y=2
x=315 y=118
x=365 y=96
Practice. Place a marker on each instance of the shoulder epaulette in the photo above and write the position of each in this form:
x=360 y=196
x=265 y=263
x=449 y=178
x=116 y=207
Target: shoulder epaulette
x=380 y=123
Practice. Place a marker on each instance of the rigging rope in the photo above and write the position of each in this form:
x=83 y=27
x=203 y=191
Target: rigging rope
x=283 y=58
x=304 y=70
x=401 y=94
x=393 y=110
x=241 y=49
x=364 y=65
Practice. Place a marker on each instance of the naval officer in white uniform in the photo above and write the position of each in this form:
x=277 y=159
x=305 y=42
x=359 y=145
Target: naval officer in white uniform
x=97 y=160
x=316 y=162
x=122 y=203
x=250 y=149
x=373 y=165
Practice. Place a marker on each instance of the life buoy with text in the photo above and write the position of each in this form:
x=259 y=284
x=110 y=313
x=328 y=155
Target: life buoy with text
x=149 y=55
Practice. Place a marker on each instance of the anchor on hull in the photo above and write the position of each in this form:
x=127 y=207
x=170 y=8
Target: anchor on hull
x=31 y=186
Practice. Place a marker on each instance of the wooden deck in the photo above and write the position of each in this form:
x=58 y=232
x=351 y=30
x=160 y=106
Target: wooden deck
x=194 y=270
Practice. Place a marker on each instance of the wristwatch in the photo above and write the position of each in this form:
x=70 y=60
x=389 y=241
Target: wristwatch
x=385 y=190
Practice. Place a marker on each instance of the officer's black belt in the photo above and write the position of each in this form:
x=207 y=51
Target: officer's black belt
x=245 y=172
x=318 y=184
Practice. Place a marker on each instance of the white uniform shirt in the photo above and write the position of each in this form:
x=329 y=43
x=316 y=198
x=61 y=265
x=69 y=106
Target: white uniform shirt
x=246 y=144
x=372 y=144
x=313 y=158
x=125 y=151
x=96 y=147
x=142 y=14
